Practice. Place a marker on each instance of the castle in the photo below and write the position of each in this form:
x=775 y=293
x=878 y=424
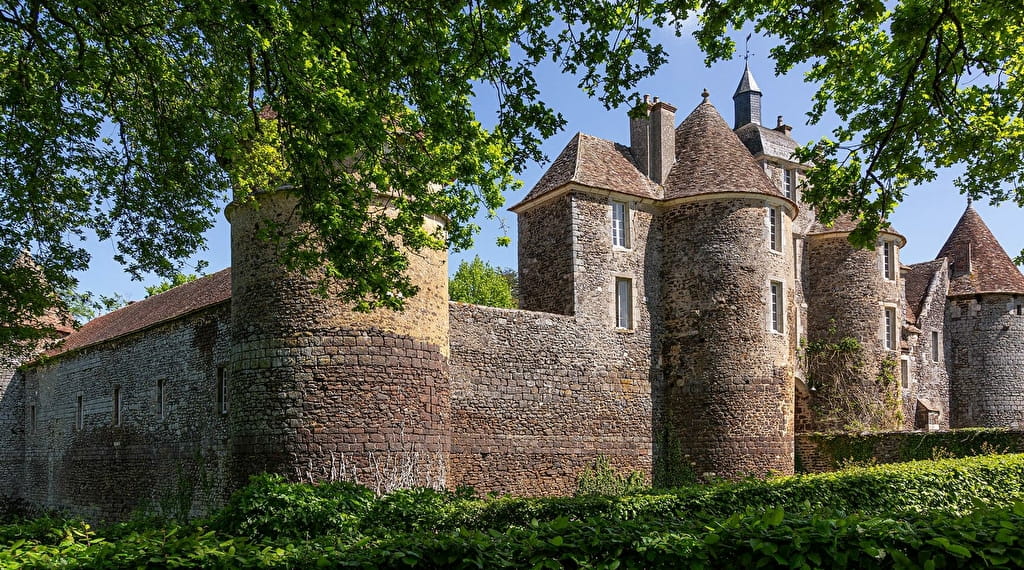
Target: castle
x=680 y=310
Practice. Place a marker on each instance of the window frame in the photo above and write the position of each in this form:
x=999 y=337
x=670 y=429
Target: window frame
x=221 y=389
x=79 y=412
x=935 y=352
x=624 y=300
x=775 y=229
x=117 y=419
x=889 y=327
x=161 y=399
x=621 y=226
x=789 y=182
x=776 y=307
x=889 y=260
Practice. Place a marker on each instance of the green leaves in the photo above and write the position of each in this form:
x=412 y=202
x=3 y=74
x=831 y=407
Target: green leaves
x=478 y=283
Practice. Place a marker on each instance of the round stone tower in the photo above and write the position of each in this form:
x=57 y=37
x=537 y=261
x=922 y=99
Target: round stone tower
x=317 y=391
x=984 y=328
x=727 y=282
x=853 y=294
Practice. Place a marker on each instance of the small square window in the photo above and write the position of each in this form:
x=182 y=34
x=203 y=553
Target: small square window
x=620 y=224
x=623 y=303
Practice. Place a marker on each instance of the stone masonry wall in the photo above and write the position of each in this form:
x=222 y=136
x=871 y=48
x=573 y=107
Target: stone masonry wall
x=12 y=428
x=105 y=469
x=546 y=257
x=847 y=294
x=985 y=350
x=929 y=379
x=537 y=397
x=729 y=377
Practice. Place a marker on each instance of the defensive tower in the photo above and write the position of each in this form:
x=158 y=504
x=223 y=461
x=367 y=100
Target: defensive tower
x=319 y=391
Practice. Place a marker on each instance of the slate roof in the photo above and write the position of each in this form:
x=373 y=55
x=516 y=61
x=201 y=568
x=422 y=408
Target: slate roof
x=761 y=140
x=710 y=158
x=171 y=304
x=747 y=82
x=918 y=281
x=978 y=264
x=597 y=163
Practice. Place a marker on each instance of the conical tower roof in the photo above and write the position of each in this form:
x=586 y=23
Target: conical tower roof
x=710 y=158
x=978 y=264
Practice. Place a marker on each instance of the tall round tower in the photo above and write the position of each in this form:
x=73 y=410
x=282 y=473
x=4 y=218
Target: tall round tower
x=853 y=295
x=318 y=391
x=984 y=328
x=727 y=282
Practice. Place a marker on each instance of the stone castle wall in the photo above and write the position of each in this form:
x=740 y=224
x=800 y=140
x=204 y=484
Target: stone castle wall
x=12 y=426
x=330 y=392
x=108 y=469
x=985 y=346
x=729 y=377
x=847 y=294
x=537 y=397
x=545 y=257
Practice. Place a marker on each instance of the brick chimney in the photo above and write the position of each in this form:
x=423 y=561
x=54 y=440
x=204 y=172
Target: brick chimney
x=652 y=140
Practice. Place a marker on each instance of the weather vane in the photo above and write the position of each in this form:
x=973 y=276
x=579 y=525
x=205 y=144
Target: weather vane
x=746 y=48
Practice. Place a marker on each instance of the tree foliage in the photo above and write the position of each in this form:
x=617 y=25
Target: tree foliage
x=131 y=120
x=479 y=283
x=168 y=284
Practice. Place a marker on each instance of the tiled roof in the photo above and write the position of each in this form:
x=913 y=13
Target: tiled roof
x=597 y=163
x=845 y=224
x=710 y=158
x=761 y=140
x=978 y=264
x=173 y=303
x=918 y=280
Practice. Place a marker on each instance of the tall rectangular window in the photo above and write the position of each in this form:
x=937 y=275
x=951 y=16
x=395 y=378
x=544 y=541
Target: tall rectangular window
x=889 y=259
x=161 y=389
x=905 y=372
x=623 y=303
x=890 y=328
x=778 y=303
x=790 y=183
x=620 y=224
x=32 y=418
x=775 y=228
x=79 y=413
x=1020 y=309
x=222 y=390
x=116 y=420
x=935 y=346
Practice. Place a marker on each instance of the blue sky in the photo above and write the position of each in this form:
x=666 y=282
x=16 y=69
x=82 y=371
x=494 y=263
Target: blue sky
x=926 y=216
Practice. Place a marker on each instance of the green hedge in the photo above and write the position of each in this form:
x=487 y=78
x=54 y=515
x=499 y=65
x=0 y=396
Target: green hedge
x=943 y=514
x=839 y=449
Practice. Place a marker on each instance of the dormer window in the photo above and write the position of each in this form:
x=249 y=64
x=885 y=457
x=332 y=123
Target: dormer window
x=620 y=224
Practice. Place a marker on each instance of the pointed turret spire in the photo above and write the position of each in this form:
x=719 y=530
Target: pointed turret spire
x=978 y=264
x=747 y=99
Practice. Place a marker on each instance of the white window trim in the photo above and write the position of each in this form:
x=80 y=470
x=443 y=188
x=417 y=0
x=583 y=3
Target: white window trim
x=890 y=339
x=627 y=222
x=789 y=182
x=889 y=260
x=906 y=372
x=776 y=317
x=616 y=278
x=936 y=346
x=775 y=241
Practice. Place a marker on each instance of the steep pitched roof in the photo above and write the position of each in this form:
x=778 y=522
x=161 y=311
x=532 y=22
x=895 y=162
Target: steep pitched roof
x=171 y=304
x=747 y=82
x=978 y=263
x=597 y=163
x=710 y=158
x=918 y=281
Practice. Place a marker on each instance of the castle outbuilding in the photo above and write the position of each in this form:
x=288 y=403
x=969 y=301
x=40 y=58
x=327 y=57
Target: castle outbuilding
x=681 y=314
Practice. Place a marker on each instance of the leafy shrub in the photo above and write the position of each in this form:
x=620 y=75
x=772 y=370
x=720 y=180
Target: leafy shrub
x=600 y=478
x=270 y=507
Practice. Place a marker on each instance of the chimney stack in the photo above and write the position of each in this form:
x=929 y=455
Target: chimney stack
x=663 y=140
x=640 y=138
